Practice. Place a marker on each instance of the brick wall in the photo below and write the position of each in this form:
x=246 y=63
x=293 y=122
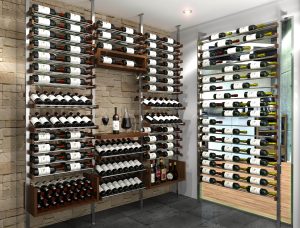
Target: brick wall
x=114 y=89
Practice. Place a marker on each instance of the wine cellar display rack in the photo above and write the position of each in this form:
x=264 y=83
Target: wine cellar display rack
x=240 y=146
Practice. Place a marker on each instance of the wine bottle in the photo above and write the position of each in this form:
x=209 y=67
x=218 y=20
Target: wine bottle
x=259 y=171
x=74 y=166
x=207 y=88
x=260 y=64
x=42 y=159
x=259 y=191
x=208 y=171
x=224 y=95
x=229 y=184
x=73 y=17
x=232 y=131
x=116 y=122
x=43 y=171
x=233 y=50
x=258 y=181
x=233 y=68
x=208 y=163
x=208 y=179
x=247 y=29
x=254 y=94
x=229 y=175
x=261 y=74
x=43 y=21
x=256 y=36
x=43 y=9
x=258 y=123
x=223 y=43
x=42 y=136
x=170 y=175
x=259 y=161
x=210 y=121
x=241 y=85
x=229 y=166
x=219 y=35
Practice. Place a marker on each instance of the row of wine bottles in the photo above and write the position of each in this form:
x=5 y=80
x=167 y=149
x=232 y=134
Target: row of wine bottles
x=253 y=123
x=237 y=177
x=162 y=63
x=162 y=89
x=60 y=120
x=152 y=79
x=48 y=80
x=237 y=168
x=118 y=146
x=118 y=185
x=237 y=186
x=47 y=147
x=165 y=129
x=48 y=158
x=166 y=72
x=161 y=145
x=161 y=118
x=117 y=166
x=151 y=155
x=236 y=85
x=52 y=98
x=120 y=37
x=118 y=61
x=160 y=173
x=161 y=102
x=163 y=47
x=174 y=57
x=126 y=49
x=250 y=151
x=46 y=136
x=160 y=137
x=226 y=131
x=250 y=113
x=46 y=68
x=236 y=104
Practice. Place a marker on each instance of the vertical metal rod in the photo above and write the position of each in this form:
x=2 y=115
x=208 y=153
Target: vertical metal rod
x=93 y=216
x=141 y=21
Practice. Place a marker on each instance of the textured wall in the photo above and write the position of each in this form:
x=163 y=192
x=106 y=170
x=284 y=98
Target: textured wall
x=115 y=89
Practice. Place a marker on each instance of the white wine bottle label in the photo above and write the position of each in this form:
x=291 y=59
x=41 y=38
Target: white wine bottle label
x=152 y=155
x=152 y=62
x=231 y=50
x=116 y=166
x=206 y=104
x=44 y=159
x=170 y=137
x=228 y=148
x=251 y=37
x=254 y=151
x=255 y=190
x=121 y=183
x=51 y=97
x=54 y=120
x=206 y=80
x=152 y=53
x=107 y=46
x=170 y=89
x=228 y=140
x=152 y=147
x=106 y=25
x=121 y=165
x=137 y=162
x=75 y=28
x=62 y=119
x=75 y=60
x=157 y=118
x=44 y=147
x=228 y=77
x=205 y=129
x=228 y=166
x=44 y=67
x=205 y=121
x=67 y=98
x=75 y=156
x=205 y=138
x=228 y=113
x=149 y=118
x=110 y=166
x=228 y=69
x=255 y=103
x=99 y=169
x=43 y=55
x=228 y=131
x=78 y=119
x=221 y=43
x=129 y=30
x=106 y=35
x=105 y=187
x=214 y=36
x=206 y=170
x=43 y=97
x=245 y=57
x=130 y=63
x=132 y=181
x=228 y=175
x=43 y=9
x=43 y=136
x=115 y=183
x=129 y=40
x=228 y=184
x=130 y=50
x=84 y=98
x=75 y=145
x=152 y=45
x=170 y=81
x=44 y=44
x=152 y=79
x=71 y=119
x=255 y=171
x=170 y=129
x=228 y=157
x=76 y=98
x=206 y=63
x=255 y=74
x=255 y=161
x=44 y=171
x=152 y=36
x=244 y=29
x=137 y=180
x=152 y=138
x=204 y=47
x=152 y=71
x=75 y=70
x=75 y=135
x=252 y=94
x=206 y=162
x=206 y=154
x=170 y=41
x=228 y=104
x=43 y=120
x=107 y=60
x=75 y=39
x=170 y=65
x=254 y=180
x=206 y=179
x=126 y=163
x=206 y=55
x=116 y=125
x=43 y=21
x=132 y=164
x=75 y=49
x=170 y=57
x=75 y=17
x=146 y=101
x=238 y=85
x=104 y=167
x=255 y=113
x=170 y=49
x=75 y=166
x=170 y=153
x=170 y=73
x=75 y=81
x=255 y=65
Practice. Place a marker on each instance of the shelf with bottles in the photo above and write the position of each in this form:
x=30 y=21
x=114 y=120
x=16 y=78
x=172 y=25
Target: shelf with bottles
x=163 y=48
x=63 y=193
x=127 y=62
x=236 y=113
x=162 y=154
x=122 y=173
x=49 y=152
x=63 y=106
x=254 y=95
x=120 y=43
x=48 y=83
x=235 y=87
x=123 y=192
x=151 y=37
x=56 y=162
x=46 y=129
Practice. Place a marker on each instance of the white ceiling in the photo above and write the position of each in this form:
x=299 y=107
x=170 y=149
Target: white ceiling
x=165 y=14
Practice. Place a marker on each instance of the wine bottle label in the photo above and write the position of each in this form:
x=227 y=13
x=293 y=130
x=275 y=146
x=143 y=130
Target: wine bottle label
x=206 y=55
x=132 y=164
x=152 y=139
x=137 y=180
x=152 y=53
x=170 y=89
x=75 y=145
x=221 y=43
x=132 y=181
x=157 y=118
x=255 y=65
x=152 y=45
x=105 y=187
x=137 y=162
x=228 y=131
x=152 y=178
x=214 y=36
x=110 y=166
x=127 y=164
x=106 y=35
x=76 y=98
x=44 y=147
x=116 y=125
x=228 y=166
x=78 y=119
x=43 y=120
x=205 y=121
x=238 y=85
x=206 y=104
x=170 y=145
x=228 y=157
x=228 y=69
x=75 y=60
x=228 y=113
x=170 y=129
x=206 y=154
x=152 y=87
x=75 y=135
x=152 y=36
x=54 y=120
x=127 y=182
x=43 y=55
x=228 y=77
x=43 y=97
x=130 y=50
x=86 y=119
x=116 y=166
x=206 y=170
x=244 y=29
x=107 y=60
x=71 y=119
x=170 y=41
x=116 y=185
x=170 y=73
x=205 y=129
x=42 y=43
x=75 y=17
x=147 y=129
x=152 y=70
x=111 y=186
x=228 y=184
x=62 y=119
x=245 y=57
x=75 y=49
x=228 y=104
x=255 y=161
x=84 y=98
x=75 y=156
x=104 y=167
x=206 y=162
x=204 y=47
x=206 y=63
x=43 y=136
x=152 y=147
x=43 y=9
x=129 y=30
x=228 y=149
x=152 y=62
x=121 y=183
x=206 y=179
x=99 y=169
x=146 y=101
x=228 y=175
x=75 y=81
x=44 y=171
x=254 y=151
x=121 y=165
x=170 y=137
x=44 y=67
x=43 y=21
x=205 y=138
x=255 y=74
x=75 y=28
x=254 y=180
x=231 y=50
x=51 y=97
x=44 y=159
x=75 y=39
x=206 y=88
x=255 y=113
x=107 y=46
x=228 y=140
x=75 y=70
x=170 y=57
x=252 y=94
x=67 y=98
x=129 y=40
x=170 y=49
x=255 y=103
x=206 y=80
x=255 y=190
x=160 y=102
x=152 y=79
x=170 y=65
x=251 y=37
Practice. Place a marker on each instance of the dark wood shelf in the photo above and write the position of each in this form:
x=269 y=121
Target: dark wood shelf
x=103 y=136
x=139 y=59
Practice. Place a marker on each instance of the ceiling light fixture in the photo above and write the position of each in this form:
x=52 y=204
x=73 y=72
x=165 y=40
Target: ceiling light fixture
x=187 y=11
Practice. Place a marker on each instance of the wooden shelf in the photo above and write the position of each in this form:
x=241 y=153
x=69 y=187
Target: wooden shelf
x=139 y=59
x=103 y=136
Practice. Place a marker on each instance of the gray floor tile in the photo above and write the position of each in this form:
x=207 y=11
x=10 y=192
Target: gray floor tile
x=169 y=198
x=187 y=204
x=122 y=222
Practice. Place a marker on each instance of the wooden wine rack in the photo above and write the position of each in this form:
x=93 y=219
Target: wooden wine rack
x=211 y=66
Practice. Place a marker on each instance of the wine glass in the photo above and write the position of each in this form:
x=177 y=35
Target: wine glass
x=105 y=120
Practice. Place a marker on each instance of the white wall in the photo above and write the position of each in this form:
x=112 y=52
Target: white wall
x=266 y=13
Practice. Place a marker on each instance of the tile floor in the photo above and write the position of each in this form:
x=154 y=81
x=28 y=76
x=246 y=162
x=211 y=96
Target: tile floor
x=170 y=211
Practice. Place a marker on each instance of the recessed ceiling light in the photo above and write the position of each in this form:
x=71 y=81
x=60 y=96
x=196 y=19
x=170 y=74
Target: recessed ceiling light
x=187 y=11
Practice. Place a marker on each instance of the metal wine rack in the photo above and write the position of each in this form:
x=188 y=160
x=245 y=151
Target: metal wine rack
x=238 y=100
